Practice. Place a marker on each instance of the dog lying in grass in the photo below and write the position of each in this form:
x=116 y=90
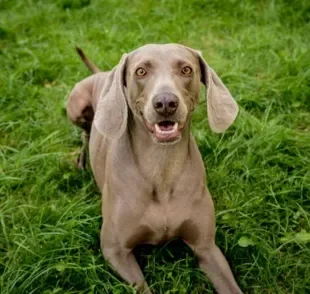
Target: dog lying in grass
x=146 y=163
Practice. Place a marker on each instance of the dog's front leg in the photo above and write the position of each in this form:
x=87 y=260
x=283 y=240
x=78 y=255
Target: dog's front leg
x=199 y=235
x=125 y=264
x=213 y=263
x=120 y=257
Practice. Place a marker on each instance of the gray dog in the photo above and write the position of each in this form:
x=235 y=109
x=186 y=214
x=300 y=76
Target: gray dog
x=145 y=160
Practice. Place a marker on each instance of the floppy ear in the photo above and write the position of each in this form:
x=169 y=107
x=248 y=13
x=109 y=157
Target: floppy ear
x=221 y=107
x=112 y=110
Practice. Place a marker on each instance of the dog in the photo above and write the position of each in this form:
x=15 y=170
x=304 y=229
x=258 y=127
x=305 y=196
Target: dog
x=144 y=158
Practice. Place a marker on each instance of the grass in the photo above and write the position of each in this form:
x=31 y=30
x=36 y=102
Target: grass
x=258 y=171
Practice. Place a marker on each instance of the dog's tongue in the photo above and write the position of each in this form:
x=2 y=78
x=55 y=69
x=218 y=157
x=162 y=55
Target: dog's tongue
x=166 y=130
x=166 y=125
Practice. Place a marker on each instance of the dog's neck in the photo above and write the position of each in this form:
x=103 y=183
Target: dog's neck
x=161 y=164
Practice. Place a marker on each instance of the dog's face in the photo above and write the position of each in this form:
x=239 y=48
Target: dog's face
x=163 y=85
x=160 y=85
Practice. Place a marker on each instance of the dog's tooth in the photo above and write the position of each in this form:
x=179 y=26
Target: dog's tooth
x=157 y=128
x=175 y=126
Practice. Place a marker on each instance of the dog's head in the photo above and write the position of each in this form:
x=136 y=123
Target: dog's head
x=160 y=85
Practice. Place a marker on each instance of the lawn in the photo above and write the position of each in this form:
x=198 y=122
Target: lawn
x=258 y=171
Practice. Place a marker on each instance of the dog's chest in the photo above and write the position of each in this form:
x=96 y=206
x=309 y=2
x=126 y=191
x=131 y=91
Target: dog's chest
x=164 y=218
x=170 y=206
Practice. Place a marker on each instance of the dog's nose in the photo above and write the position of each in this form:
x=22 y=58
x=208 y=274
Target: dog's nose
x=165 y=103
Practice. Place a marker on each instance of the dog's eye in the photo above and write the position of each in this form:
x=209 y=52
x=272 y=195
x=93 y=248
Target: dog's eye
x=140 y=72
x=186 y=70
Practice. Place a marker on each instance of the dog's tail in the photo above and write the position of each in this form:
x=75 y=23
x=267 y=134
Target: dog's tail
x=90 y=65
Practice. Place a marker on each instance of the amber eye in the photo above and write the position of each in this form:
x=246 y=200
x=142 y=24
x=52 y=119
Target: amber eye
x=140 y=72
x=186 y=70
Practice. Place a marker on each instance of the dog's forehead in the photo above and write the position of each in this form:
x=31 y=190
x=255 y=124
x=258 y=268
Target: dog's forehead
x=163 y=52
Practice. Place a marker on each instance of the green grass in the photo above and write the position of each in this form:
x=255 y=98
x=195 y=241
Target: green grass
x=258 y=171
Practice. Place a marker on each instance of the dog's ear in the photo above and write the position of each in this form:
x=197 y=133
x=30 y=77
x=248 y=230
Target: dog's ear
x=221 y=107
x=112 y=110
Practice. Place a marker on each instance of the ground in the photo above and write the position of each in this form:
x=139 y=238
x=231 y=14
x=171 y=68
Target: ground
x=258 y=171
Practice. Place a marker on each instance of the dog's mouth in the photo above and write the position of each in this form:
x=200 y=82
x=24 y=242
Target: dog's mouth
x=165 y=131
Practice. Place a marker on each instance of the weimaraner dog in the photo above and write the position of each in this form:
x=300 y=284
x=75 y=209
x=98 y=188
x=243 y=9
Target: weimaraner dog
x=145 y=160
